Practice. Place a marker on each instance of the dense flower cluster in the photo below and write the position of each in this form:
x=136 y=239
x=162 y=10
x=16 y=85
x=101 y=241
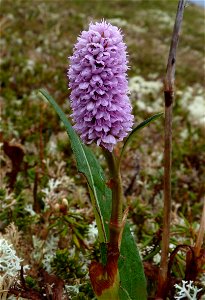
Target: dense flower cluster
x=99 y=87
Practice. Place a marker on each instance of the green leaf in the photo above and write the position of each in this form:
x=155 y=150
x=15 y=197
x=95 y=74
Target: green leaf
x=103 y=253
x=132 y=278
x=136 y=129
x=88 y=165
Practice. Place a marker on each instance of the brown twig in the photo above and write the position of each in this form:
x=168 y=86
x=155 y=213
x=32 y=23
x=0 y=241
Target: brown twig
x=201 y=232
x=174 y=253
x=16 y=154
x=53 y=286
x=36 y=203
x=41 y=146
x=32 y=295
x=168 y=97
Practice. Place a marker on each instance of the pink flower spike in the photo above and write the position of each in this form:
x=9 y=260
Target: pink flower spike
x=99 y=87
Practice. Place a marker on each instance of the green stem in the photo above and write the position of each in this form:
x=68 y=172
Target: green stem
x=117 y=196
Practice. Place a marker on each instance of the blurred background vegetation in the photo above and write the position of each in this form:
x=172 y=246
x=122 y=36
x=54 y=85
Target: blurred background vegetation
x=41 y=191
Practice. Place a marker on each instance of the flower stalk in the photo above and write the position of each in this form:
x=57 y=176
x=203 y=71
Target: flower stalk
x=105 y=279
x=115 y=225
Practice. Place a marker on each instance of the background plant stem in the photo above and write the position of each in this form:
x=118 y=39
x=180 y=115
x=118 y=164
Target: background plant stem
x=168 y=97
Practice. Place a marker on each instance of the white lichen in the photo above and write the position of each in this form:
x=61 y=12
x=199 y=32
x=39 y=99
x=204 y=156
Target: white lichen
x=44 y=250
x=12 y=297
x=72 y=289
x=157 y=258
x=187 y=290
x=197 y=108
x=51 y=193
x=192 y=100
x=162 y=17
x=29 y=209
x=142 y=91
x=30 y=65
x=92 y=233
x=52 y=185
x=146 y=250
x=8 y=200
x=118 y=22
x=10 y=265
x=9 y=261
x=37 y=247
x=50 y=248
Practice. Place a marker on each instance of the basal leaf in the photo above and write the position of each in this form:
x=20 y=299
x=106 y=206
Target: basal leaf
x=132 y=278
x=137 y=128
x=88 y=165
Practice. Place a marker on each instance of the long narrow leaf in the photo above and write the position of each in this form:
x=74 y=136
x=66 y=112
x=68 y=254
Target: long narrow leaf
x=87 y=164
x=137 y=128
x=132 y=278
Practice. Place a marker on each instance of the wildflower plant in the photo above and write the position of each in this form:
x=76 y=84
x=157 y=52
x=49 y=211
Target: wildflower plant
x=102 y=114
